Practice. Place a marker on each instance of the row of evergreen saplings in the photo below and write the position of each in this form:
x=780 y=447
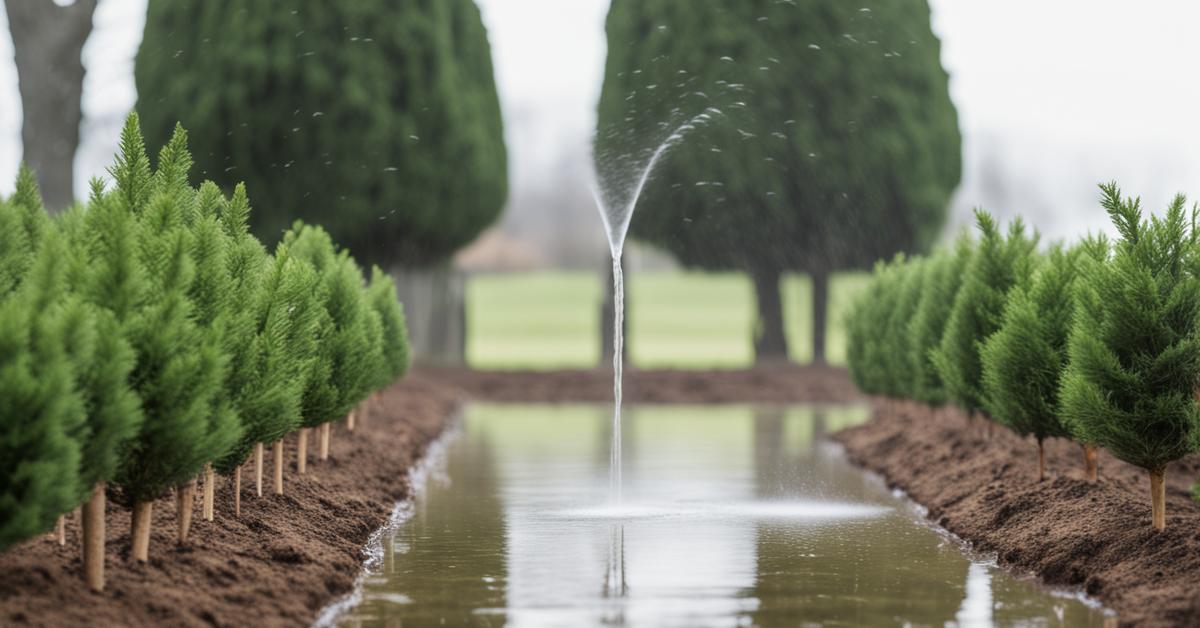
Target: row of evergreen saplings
x=1098 y=342
x=147 y=338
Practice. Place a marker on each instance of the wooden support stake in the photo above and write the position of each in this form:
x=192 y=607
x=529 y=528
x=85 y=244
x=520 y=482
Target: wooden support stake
x=1041 y=461
x=1091 y=457
x=142 y=514
x=324 y=442
x=350 y=420
x=278 y=455
x=302 y=452
x=1158 y=498
x=60 y=530
x=185 y=500
x=93 y=539
x=209 y=491
x=258 y=468
x=237 y=492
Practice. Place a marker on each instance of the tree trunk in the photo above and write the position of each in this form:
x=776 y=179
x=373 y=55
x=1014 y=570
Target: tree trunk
x=1158 y=498
x=209 y=492
x=820 y=314
x=185 y=500
x=770 y=340
x=258 y=468
x=350 y=419
x=278 y=455
x=237 y=492
x=48 y=42
x=434 y=301
x=1041 y=460
x=143 y=512
x=324 y=442
x=93 y=539
x=1091 y=466
x=302 y=451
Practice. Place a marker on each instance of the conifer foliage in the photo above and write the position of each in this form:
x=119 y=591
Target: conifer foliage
x=1098 y=343
x=147 y=337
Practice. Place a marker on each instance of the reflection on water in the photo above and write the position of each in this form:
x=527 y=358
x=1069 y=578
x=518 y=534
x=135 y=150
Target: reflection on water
x=733 y=516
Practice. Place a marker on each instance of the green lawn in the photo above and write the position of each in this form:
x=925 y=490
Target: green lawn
x=676 y=319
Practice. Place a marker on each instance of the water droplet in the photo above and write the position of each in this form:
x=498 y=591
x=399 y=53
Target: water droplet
x=727 y=59
x=813 y=47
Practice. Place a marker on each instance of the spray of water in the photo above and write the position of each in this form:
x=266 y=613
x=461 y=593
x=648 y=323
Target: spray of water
x=617 y=197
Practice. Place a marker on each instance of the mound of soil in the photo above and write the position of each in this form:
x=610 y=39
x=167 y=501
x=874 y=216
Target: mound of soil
x=1071 y=533
x=279 y=564
x=779 y=384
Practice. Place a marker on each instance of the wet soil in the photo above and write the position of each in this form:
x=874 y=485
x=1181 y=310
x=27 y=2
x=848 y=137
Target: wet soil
x=1065 y=530
x=279 y=564
x=782 y=384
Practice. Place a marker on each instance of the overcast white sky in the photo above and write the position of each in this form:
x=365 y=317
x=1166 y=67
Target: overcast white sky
x=1053 y=96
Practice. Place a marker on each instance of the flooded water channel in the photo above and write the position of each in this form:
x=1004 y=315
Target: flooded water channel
x=732 y=516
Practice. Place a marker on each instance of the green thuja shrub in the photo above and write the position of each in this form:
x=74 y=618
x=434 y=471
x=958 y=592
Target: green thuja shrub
x=999 y=263
x=381 y=292
x=180 y=365
x=898 y=348
x=40 y=413
x=867 y=326
x=943 y=276
x=1023 y=361
x=1134 y=347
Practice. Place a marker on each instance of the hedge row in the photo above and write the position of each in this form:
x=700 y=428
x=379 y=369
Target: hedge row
x=1098 y=342
x=146 y=337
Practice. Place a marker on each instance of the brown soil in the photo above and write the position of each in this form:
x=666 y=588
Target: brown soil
x=783 y=384
x=279 y=564
x=1071 y=533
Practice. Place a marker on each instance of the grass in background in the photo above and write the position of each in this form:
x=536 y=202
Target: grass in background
x=676 y=319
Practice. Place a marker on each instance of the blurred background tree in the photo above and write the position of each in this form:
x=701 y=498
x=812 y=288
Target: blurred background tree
x=48 y=39
x=378 y=120
x=850 y=154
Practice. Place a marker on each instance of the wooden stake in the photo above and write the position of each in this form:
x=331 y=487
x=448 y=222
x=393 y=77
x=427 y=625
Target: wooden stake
x=1158 y=498
x=209 y=491
x=350 y=420
x=60 y=530
x=324 y=442
x=185 y=500
x=142 y=513
x=93 y=539
x=1091 y=457
x=1041 y=461
x=302 y=452
x=237 y=491
x=278 y=455
x=258 y=468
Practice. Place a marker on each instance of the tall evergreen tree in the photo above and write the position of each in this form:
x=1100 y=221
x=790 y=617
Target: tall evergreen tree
x=836 y=142
x=1023 y=361
x=372 y=98
x=1134 y=347
x=1000 y=262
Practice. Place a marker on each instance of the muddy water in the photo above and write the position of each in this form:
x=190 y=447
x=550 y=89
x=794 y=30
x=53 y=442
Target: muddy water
x=733 y=516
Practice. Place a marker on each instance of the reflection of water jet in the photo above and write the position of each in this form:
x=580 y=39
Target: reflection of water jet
x=614 y=576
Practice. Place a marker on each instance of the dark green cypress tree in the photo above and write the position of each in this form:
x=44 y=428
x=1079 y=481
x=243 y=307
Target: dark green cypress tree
x=22 y=222
x=928 y=323
x=999 y=263
x=1134 y=347
x=837 y=143
x=1023 y=361
x=371 y=98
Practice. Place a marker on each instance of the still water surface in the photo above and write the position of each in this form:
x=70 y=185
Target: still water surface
x=732 y=516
